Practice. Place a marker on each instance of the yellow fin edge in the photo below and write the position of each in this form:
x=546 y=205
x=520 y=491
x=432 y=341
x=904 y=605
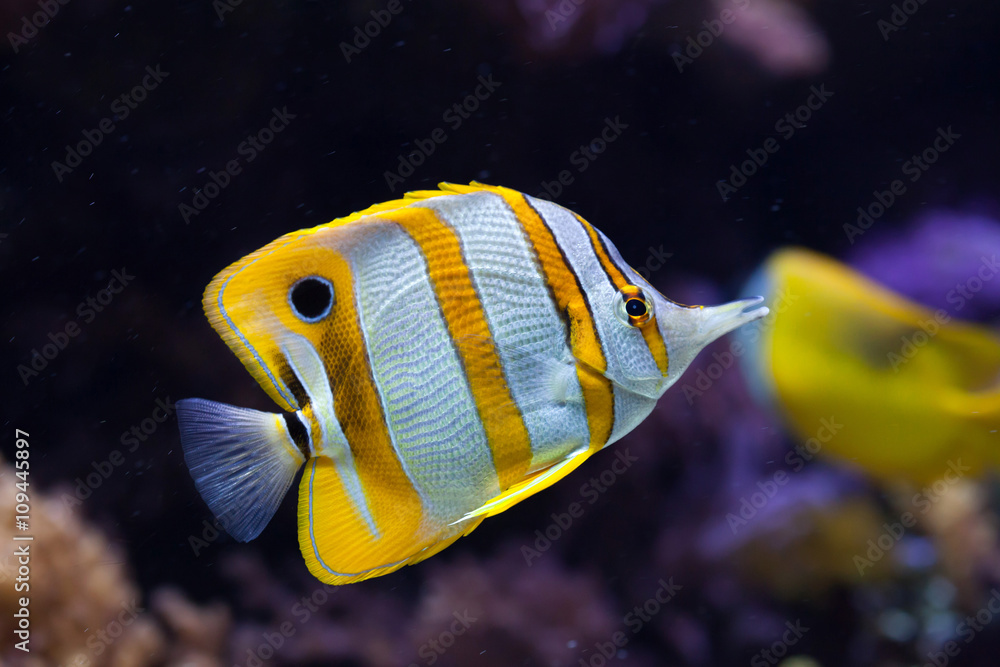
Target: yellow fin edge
x=539 y=481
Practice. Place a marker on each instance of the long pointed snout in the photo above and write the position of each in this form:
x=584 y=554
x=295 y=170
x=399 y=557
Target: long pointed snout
x=688 y=329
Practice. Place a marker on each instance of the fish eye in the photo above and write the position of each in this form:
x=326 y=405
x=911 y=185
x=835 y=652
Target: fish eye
x=634 y=308
x=311 y=298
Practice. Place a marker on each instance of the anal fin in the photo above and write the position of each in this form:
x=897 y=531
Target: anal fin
x=541 y=480
x=435 y=549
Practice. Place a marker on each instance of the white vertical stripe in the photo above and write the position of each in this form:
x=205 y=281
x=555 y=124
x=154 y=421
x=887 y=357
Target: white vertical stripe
x=530 y=336
x=651 y=385
x=305 y=362
x=627 y=354
x=430 y=409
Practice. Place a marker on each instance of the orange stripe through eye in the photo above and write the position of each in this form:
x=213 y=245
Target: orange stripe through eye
x=632 y=296
x=650 y=332
x=341 y=537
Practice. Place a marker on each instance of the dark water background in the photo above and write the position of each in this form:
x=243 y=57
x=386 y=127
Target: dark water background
x=654 y=186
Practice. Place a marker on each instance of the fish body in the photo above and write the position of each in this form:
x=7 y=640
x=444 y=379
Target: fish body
x=437 y=358
x=867 y=376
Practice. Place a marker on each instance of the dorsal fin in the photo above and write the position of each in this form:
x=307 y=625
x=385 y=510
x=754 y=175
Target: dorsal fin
x=444 y=189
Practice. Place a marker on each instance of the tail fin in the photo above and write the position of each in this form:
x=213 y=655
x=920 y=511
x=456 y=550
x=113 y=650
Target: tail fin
x=242 y=462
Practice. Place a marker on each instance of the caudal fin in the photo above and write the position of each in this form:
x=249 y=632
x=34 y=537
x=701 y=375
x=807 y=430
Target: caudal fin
x=242 y=462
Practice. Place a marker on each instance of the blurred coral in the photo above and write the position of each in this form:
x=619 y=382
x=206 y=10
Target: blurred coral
x=561 y=28
x=944 y=259
x=80 y=592
x=84 y=607
x=495 y=612
x=964 y=529
x=810 y=549
x=778 y=35
x=196 y=636
x=545 y=614
x=310 y=621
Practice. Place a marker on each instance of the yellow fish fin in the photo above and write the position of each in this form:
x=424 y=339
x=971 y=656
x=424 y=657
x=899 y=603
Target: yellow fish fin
x=340 y=546
x=445 y=543
x=539 y=481
x=882 y=382
x=445 y=189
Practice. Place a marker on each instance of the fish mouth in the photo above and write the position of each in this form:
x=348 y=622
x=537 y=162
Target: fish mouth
x=725 y=318
x=752 y=303
x=713 y=322
x=687 y=330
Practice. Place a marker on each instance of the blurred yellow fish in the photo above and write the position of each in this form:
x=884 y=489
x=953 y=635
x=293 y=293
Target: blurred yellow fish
x=439 y=358
x=913 y=392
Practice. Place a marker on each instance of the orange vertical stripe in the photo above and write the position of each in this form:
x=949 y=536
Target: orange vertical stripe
x=342 y=540
x=598 y=392
x=452 y=281
x=650 y=331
